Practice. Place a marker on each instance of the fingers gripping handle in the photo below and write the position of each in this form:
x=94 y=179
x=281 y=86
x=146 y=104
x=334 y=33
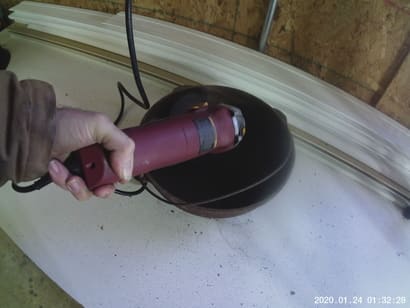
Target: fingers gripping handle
x=164 y=143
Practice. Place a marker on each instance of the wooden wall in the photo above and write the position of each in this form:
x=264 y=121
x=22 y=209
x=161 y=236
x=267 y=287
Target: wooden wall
x=360 y=46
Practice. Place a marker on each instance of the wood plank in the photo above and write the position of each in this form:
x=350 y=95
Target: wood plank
x=396 y=100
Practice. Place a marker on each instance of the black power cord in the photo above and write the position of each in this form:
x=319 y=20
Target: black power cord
x=123 y=91
x=71 y=163
x=134 y=65
x=37 y=185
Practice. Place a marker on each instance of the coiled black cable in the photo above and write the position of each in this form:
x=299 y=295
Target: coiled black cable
x=123 y=91
x=134 y=66
x=39 y=184
x=71 y=163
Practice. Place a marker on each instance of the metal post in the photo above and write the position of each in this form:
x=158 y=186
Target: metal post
x=267 y=25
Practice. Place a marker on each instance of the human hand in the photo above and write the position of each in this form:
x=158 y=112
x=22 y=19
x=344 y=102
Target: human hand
x=76 y=129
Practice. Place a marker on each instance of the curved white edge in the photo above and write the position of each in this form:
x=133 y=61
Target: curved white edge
x=309 y=103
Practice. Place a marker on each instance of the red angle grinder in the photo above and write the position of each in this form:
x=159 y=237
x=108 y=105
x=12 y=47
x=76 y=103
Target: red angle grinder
x=160 y=144
x=168 y=142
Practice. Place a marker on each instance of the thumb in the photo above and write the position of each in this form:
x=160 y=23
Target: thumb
x=119 y=144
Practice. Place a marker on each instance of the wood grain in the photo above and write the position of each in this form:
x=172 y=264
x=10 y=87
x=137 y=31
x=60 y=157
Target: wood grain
x=396 y=100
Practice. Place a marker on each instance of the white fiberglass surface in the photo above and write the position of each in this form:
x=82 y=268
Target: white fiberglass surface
x=328 y=233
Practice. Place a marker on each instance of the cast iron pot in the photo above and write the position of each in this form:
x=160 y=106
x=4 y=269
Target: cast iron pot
x=234 y=182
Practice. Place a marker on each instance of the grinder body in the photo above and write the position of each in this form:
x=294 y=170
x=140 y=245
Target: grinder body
x=168 y=142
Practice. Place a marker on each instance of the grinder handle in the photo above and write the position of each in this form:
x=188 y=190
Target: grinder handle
x=164 y=143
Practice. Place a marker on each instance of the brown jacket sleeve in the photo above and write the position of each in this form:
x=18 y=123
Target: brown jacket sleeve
x=27 y=127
